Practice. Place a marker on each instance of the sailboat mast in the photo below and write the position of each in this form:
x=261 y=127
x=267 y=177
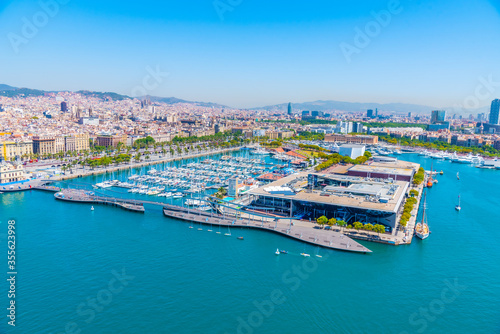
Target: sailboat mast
x=423 y=213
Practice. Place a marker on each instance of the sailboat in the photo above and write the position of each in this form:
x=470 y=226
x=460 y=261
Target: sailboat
x=277 y=251
x=422 y=228
x=458 y=176
x=228 y=234
x=457 y=207
x=92 y=208
x=430 y=181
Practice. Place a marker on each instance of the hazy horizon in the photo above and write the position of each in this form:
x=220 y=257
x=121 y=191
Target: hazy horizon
x=255 y=54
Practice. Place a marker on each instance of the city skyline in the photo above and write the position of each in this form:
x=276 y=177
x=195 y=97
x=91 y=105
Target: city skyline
x=246 y=57
x=323 y=105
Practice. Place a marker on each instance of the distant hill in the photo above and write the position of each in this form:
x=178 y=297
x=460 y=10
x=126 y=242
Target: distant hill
x=6 y=87
x=104 y=96
x=9 y=91
x=174 y=100
x=351 y=107
x=16 y=92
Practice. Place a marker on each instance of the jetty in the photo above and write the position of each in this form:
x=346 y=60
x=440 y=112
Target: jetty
x=301 y=232
x=89 y=197
x=223 y=215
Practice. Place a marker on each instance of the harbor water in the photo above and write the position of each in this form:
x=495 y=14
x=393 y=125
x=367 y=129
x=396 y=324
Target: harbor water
x=114 y=271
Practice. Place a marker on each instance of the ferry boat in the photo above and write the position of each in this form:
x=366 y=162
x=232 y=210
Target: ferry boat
x=422 y=228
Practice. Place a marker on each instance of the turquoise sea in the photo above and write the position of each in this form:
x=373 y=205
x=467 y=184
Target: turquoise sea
x=113 y=271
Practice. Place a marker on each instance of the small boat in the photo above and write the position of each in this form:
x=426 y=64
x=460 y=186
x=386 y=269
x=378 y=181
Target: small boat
x=457 y=207
x=458 y=176
x=240 y=238
x=441 y=173
x=283 y=251
x=190 y=227
x=317 y=255
x=92 y=208
x=277 y=251
x=305 y=255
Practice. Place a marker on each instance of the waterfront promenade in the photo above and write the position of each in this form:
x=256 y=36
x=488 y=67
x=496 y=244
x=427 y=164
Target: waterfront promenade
x=308 y=234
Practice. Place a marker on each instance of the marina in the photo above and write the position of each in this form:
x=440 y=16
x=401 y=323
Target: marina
x=154 y=240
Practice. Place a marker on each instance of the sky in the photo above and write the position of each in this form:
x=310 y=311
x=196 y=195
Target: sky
x=252 y=53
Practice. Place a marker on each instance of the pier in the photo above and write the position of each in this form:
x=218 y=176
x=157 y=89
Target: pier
x=89 y=197
x=228 y=217
x=307 y=234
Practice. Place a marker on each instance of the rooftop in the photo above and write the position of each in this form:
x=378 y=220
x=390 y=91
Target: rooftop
x=388 y=170
x=366 y=194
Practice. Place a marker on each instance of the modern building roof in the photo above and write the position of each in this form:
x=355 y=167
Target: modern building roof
x=352 y=146
x=382 y=170
x=356 y=198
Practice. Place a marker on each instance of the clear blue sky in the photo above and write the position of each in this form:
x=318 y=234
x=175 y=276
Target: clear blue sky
x=261 y=52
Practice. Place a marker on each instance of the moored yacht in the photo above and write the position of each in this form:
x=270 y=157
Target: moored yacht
x=422 y=228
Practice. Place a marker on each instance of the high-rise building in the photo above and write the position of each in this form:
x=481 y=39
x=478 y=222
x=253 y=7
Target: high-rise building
x=494 y=112
x=438 y=116
x=233 y=186
x=370 y=113
x=290 y=109
x=64 y=107
x=357 y=127
x=306 y=113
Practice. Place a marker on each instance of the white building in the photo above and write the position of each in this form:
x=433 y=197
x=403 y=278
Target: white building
x=351 y=150
x=259 y=133
x=11 y=173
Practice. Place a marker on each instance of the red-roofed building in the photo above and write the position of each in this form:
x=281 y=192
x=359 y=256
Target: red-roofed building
x=296 y=155
x=278 y=150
